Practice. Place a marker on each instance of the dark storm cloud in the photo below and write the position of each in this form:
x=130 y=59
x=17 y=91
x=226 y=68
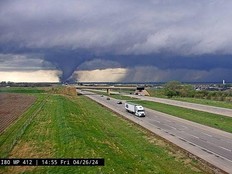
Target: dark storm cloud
x=12 y=62
x=168 y=34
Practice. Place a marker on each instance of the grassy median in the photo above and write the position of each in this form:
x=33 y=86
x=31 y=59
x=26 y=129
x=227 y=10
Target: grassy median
x=76 y=127
x=160 y=94
x=223 y=104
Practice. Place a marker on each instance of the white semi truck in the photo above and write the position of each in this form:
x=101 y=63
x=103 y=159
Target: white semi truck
x=138 y=110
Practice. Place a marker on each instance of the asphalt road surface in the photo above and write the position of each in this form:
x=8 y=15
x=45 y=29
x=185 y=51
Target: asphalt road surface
x=209 y=144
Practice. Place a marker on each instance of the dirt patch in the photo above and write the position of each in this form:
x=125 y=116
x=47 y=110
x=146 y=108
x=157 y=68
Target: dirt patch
x=71 y=91
x=32 y=150
x=12 y=106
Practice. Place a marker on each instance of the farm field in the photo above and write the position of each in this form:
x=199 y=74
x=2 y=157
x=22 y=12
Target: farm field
x=12 y=106
x=24 y=90
x=58 y=126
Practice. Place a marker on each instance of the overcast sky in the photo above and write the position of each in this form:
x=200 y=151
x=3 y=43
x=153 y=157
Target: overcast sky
x=123 y=40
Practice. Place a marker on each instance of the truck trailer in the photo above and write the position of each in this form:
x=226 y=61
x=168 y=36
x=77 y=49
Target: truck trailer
x=138 y=110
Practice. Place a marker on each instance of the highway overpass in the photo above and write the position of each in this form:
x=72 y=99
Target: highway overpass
x=108 y=88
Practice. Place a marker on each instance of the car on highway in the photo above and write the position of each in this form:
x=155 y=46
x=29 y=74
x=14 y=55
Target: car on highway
x=107 y=98
x=119 y=102
x=101 y=95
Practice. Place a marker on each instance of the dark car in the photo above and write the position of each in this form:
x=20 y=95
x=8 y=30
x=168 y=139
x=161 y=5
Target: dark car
x=119 y=102
x=107 y=98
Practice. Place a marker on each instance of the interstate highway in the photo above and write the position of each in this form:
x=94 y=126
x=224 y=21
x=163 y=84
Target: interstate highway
x=200 y=107
x=209 y=144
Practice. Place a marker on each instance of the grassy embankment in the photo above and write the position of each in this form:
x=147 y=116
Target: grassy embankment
x=213 y=120
x=65 y=127
x=156 y=93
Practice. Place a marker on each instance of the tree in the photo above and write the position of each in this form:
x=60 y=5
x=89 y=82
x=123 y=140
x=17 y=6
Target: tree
x=172 y=88
x=187 y=91
x=175 y=88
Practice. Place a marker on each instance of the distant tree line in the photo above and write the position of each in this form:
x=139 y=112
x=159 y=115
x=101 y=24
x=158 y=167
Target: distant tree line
x=177 y=89
x=24 y=84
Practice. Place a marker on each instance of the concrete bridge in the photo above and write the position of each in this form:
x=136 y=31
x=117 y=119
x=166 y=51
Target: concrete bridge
x=108 y=88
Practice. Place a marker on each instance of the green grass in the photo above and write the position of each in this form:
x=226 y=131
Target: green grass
x=213 y=120
x=21 y=90
x=68 y=128
x=222 y=104
x=160 y=94
x=156 y=93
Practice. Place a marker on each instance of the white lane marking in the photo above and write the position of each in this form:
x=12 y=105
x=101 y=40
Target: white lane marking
x=184 y=126
x=156 y=121
x=207 y=134
x=172 y=127
x=194 y=136
x=204 y=149
x=224 y=148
